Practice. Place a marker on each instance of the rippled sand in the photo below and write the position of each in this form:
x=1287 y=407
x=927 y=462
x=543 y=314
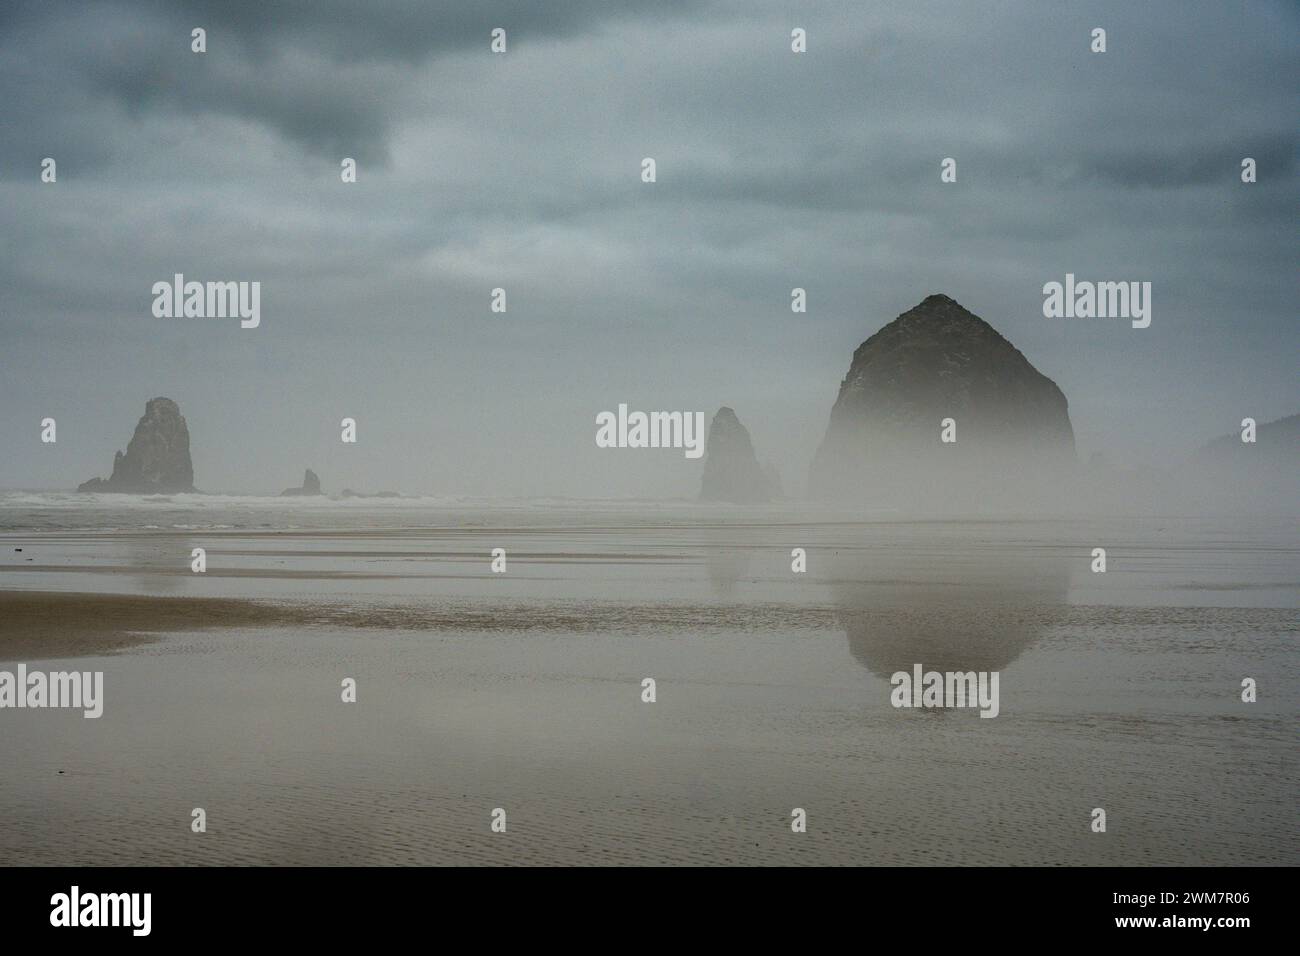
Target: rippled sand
x=522 y=691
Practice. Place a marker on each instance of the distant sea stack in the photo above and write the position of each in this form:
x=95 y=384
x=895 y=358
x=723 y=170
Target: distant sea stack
x=1263 y=474
x=731 y=469
x=937 y=361
x=1276 y=444
x=310 y=486
x=157 y=461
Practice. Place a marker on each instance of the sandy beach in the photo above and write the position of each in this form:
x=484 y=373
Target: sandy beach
x=522 y=691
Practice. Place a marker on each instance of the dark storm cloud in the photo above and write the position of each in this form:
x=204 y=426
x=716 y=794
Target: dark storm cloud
x=409 y=30
x=328 y=75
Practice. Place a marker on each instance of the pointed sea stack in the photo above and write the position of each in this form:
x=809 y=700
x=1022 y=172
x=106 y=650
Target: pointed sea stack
x=731 y=470
x=937 y=361
x=157 y=461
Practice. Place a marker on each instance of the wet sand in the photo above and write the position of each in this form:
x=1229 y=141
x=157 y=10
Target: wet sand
x=523 y=691
x=58 y=624
x=61 y=624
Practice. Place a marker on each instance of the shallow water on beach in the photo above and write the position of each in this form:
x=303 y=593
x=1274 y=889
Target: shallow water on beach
x=523 y=690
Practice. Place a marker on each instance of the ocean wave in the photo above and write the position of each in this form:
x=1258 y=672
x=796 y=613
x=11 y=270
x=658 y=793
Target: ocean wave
x=22 y=511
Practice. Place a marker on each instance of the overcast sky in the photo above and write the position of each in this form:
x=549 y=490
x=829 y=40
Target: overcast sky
x=522 y=170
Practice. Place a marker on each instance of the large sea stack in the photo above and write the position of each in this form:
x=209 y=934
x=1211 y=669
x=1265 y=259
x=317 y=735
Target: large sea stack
x=731 y=469
x=937 y=362
x=157 y=461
